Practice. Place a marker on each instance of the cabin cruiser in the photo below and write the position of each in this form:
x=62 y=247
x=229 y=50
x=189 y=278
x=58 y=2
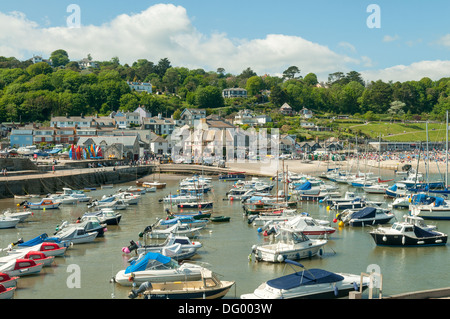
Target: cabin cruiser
x=308 y=283
x=289 y=244
x=407 y=234
x=365 y=217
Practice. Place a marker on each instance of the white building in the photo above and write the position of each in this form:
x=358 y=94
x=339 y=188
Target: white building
x=140 y=86
x=234 y=92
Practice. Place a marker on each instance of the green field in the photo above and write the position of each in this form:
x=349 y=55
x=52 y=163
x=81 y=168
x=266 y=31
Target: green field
x=399 y=132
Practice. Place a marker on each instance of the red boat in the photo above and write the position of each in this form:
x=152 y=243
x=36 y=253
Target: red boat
x=6 y=293
x=21 y=267
x=8 y=281
x=40 y=257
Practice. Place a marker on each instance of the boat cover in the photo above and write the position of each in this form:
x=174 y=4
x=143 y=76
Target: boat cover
x=141 y=263
x=422 y=233
x=367 y=212
x=304 y=186
x=303 y=278
x=35 y=241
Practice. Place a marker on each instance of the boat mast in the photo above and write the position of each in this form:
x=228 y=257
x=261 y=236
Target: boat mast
x=446 y=151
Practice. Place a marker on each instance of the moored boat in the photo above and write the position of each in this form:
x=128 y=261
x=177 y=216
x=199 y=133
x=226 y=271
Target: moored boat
x=45 y=203
x=7 y=281
x=21 y=267
x=367 y=216
x=208 y=287
x=308 y=284
x=220 y=219
x=6 y=292
x=289 y=245
x=8 y=222
x=404 y=234
x=155 y=267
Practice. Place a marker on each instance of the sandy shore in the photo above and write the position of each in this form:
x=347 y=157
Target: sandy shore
x=316 y=168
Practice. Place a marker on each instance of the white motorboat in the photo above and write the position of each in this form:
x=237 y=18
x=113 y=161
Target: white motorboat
x=176 y=247
x=438 y=209
x=401 y=202
x=128 y=198
x=309 y=284
x=376 y=188
x=155 y=267
x=80 y=195
x=179 y=229
x=76 y=235
x=312 y=228
x=8 y=222
x=114 y=204
x=63 y=199
x=21 y=267
x=289 y=245
x=21 y=215
x=176 y=199
x=277 y=216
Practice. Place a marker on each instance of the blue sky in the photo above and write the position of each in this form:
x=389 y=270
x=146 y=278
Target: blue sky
x=317 y=36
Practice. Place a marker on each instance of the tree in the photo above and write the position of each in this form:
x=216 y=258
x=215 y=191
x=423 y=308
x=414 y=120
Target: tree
x=396 y=109
x=254 y=85
x=278 y=96
x=59 y=58
x=209 y=97
x=310 y=79
x=290 y=72
x=39 y=68
x=162 y=67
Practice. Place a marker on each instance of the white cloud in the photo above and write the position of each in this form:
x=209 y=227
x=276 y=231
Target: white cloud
x=435 y=70
x=389 y=38
x=165 y=30
x=444 y=40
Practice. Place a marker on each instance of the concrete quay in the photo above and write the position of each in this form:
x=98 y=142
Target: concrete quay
x=45 y=182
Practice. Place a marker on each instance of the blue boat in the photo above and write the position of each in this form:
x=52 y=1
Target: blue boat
x=234 y=176
x=39 y=240
x=367 y=216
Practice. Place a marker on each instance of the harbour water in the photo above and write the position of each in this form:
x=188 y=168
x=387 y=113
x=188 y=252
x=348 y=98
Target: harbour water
x=226 y=249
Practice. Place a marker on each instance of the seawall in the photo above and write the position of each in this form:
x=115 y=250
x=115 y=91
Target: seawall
x=42 y=183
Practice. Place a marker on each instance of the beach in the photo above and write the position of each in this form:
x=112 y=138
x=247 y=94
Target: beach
x=315 y=168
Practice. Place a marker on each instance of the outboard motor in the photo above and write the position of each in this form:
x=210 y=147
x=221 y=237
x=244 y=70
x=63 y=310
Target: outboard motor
x=134 y=293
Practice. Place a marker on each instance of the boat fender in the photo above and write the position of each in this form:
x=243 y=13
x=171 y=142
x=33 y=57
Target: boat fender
x=259 y=230
x=320 y=252
x=355 y=286
x=280 y=258
x=403 y=240
x=336 y=290
x=265 y=233
x=384 y=238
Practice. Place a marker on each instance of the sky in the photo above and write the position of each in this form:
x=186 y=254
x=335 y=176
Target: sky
x=387 y=40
